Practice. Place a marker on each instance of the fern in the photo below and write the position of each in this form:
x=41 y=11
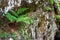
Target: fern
x=51 y=1
x=4 y=34
x=58 y=18
x=14 y=13
x=20 y=11
x=23 y=19
x=17 y=17
x=25 y=15
x=47 y=8
x=10 y=17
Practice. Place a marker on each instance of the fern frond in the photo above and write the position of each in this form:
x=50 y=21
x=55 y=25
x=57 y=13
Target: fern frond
x=10 y=17
x=51 y=1
x=3 y=34
x=22 y=19
x=21 y=10
x=14 y=13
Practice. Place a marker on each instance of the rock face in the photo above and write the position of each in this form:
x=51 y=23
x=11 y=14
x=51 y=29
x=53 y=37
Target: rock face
x=46 y=27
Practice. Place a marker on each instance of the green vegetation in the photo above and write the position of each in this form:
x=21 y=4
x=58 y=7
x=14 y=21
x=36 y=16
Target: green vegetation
x=17 y=17
x=47 y=8
x=22 y=20
x=51 y=1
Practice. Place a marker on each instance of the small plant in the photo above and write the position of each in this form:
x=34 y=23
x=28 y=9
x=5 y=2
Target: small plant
x=51 y=1
x=47 y=8
x=17 y=17
x=58 y=18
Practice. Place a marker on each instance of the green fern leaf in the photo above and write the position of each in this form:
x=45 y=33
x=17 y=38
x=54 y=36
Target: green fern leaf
x=27 y=21
x=25 y=15
x=21 y=19
x=24 y=19
x=47 y=8
x=51 y=1
x=21 y=10
x=58 y=16
x=3 y=35
x=10 y=17
x=14 y=13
